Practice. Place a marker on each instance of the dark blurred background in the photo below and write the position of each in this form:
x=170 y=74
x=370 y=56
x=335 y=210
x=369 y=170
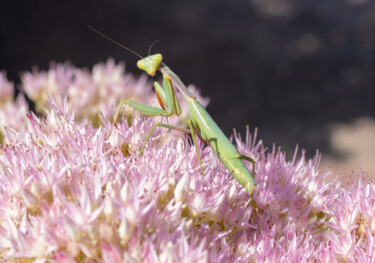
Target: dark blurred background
x=291 y=68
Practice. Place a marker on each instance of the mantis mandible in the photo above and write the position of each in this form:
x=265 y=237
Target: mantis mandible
x=200 y=122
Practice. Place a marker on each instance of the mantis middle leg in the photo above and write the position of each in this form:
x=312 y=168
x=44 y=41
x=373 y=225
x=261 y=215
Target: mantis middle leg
x=191 y=131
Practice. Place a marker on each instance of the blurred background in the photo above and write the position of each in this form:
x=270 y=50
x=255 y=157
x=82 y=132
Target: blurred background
x=301 y=71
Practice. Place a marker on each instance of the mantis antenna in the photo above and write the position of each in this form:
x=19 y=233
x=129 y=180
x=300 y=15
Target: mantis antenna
x=152 y=44
x=117 y=43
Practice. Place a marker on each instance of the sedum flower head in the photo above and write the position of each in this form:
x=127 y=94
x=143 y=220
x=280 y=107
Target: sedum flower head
x=71 y=191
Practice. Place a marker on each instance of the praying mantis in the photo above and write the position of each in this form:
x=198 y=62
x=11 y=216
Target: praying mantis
x=200 y=122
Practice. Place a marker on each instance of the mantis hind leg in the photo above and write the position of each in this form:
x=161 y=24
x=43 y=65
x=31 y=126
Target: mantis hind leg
x=243 y=157
x=196 y=146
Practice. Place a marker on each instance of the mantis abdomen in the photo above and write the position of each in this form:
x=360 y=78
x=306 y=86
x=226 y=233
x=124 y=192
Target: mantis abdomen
x=210 y=132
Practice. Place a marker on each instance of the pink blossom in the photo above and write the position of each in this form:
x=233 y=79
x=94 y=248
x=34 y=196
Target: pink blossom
x=12 y=113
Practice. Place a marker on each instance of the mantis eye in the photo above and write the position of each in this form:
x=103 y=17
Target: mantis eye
x=150 y=64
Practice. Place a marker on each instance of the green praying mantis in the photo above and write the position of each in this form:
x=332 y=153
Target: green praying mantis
x=200 y=122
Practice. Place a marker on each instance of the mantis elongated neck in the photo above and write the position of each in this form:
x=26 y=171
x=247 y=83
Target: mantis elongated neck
x=176 y=81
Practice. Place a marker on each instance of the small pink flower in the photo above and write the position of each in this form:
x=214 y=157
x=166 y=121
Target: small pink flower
x=6 y=89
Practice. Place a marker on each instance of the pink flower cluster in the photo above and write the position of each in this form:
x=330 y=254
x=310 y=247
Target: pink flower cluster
x=71 y=191
x=12 y=112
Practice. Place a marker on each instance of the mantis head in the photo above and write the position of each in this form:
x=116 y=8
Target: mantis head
x=150 y=64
